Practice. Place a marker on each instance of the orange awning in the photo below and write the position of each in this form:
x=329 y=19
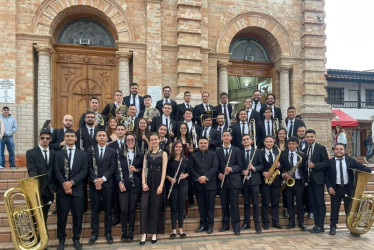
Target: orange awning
x=343 y=119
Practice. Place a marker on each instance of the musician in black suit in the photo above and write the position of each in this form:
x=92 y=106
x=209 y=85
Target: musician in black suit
x=220 y=126
x=225 y=108
x=257 y=104
x=102 y=162
x=110 y=109
x=160 y=103
x=183 y=106
x=194 y=130
x=265 y=126
x=229 y=172
x=58 y=142
x=203 y=166
x=131 y=111
x=239 y=129
x=339 y=178
x=165 y=119
x=147 y=104
x=289 y=160
x=135 y=99
x=209 y=132
x=252 y=168
x=270 y=193
x=250 y=112
x=292 y=123
x=276 y=111
x=70 y=167
x=318 y=162
x=94 y=106
x=87 y=134
x=40 y=161
x=202 y=108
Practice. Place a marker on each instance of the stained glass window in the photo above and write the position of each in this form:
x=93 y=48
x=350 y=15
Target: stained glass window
x=249 y=49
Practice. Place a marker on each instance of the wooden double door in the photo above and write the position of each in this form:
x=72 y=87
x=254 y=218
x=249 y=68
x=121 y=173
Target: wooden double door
x=80 y=73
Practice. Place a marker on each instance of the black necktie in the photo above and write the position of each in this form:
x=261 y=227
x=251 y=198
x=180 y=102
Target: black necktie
x=69 y=158
x=220 y=133
x=91 y=132
x=248 y=116
x=188 y=106
x=133 y=99
x=255 y=106
x=268 y=133
x=243 y=124
x=121 y=145
x=291 y=128
x=101 y=153
x=270 y=158
x=45 y=157
x=166 y=101
x=226 y=152
x=310 y=152
x=341 y=173
x=167 y=123
x=206 y=108
x=291 y=160
x=205 y=132
x=247 y=155
x=301 y=145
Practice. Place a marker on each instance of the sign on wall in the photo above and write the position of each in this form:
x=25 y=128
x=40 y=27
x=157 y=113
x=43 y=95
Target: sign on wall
x=7 y=91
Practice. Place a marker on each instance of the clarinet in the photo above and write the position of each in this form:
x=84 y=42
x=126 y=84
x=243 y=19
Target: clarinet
x=227 y=164
x=81 y=140
x=94 y=161
x=250 y=162
x=194 y=139
x=119 y=168
x=146 y=168
x=131 y=173
x=142 y=148
x=66 y=168
x=175 y=176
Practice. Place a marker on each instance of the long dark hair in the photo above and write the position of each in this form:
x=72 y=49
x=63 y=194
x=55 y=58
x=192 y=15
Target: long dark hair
x=108 y=128
x=46 y=124
x=136 y=148
x=172 y=153
x=167 y=136
x=277 y=139
x=179 y=135
x=138 y=132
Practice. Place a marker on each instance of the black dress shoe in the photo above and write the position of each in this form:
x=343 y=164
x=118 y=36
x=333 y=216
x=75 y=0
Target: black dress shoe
x=115 y=222
x=154 y=241
x=124 y=237
x=302 y=226
x=257 y=228
x=332 y=231
x=313 y=228
x=245 y=226
x=223 y=229
x=92 y=239
x=142 y=243
x=182 y=235
x=237 y=231
x=61 y=245
x=77 y=245
x=130 y=236
x=318 y=230
x=209 y=231
x=355 y=235
x=277 y=226
x=200 y=229
x=173 y=235
x=266 y=225
x=289 y=226
x=109 y=238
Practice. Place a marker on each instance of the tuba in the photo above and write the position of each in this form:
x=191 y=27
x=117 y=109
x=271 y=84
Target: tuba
x=26 y=219
x=361 y=209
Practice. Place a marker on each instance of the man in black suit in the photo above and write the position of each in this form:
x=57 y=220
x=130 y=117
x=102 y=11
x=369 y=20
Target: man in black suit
x=58 y=142
x=318 y=162
x=229 y=172
x=276 y=111
x=94 y=106
x=270 y=193
x=183 y=106
x=209 y=132
x=257 y=104
x=193 y=129
x=147 y=105
x=202 y=108
x=203 y=166
x=165 y=119
x=252 y=168
x=131 y=114
x=339 y=178
x=70 y=168
x=265 y=126
x=240 y=129
x=289 y=160
x=225 y=108
x=221 y=126
x=87 y=134
x=40 y=161
x=160 y=103
x=250 y=112
x=110 y=109
x=292 y=123
x=102 y=163
x=135 y=99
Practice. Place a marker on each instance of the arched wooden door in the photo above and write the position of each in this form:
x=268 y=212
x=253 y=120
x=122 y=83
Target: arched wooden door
x=80 y=73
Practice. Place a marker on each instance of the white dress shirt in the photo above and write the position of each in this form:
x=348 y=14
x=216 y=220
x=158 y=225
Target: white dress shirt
x=42 y=149
x=345 y=171
x=72 y=155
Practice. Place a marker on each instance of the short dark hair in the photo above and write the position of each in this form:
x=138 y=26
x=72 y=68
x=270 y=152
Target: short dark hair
x=133 y=84
x=94 y=98
x=293 y=139
x=70 y=131
x=207 y=117
x=190 y=110
x=203 y=138
x=247 y=135
x=256 y=90
x=5 y=107
x=147 y=96
x=101 y=130
x=269 y=136
x=339 y=144
x=310 y=131
x=167 y=104
x=45 y=131
x=270 y=95
x=221 y=114
x=132 y=105
x=166 y=87
x=118 y=90
x=90 y=112
x=243 y=110
x=120 y=125
x=224 y=93
x=186 y=92
x=291 y=107
x=226 y=131
x=268 y=109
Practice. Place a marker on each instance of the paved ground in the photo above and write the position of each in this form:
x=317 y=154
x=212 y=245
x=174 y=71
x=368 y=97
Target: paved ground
x=274 y=240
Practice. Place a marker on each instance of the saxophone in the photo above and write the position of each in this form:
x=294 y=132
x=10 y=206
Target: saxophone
x=290 y=182
x=273 y=171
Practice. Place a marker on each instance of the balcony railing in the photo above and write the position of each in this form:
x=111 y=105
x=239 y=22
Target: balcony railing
x=350 y=104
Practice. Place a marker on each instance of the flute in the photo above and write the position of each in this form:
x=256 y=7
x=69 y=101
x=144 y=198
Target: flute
x=175 y=176
x=227 y=164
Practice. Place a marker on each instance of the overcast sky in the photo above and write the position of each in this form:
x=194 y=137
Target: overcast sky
x=350 y=34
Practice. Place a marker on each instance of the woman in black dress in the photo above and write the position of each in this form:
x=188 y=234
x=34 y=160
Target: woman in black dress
x=129 y=181
x=152 y=209
x=165 y=141
x=142 y=134
x=177 y=174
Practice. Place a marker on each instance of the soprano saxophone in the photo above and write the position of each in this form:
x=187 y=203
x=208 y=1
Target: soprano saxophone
x=194 y=137
x=290 y=182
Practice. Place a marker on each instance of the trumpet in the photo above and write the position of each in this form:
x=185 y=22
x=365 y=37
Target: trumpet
x=252 y=131
x=99 y=119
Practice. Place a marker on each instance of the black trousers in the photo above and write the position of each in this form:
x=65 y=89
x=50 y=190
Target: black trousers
x=205 y=201
x=190 y=192
x=116 y=205
x=230 y=206
x=316 y=194
x=47 y=196
x=177 y=201
x=270 y=194
x=96 y=196
x=336 y=199
x=296 y=191
x=64 y=203
x=250 y=193
x=306 y=201
x=150 y=212
x=127 y=202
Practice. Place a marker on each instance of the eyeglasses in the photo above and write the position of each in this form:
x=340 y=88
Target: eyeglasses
x=130 y=140
x=90 y=117
x=45 y=138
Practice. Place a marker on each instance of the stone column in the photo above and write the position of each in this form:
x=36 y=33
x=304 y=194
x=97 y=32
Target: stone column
x=223 y=79
x=124 y=71
x=284 y=89
x=44 y=94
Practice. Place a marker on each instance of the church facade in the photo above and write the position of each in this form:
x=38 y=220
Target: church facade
x=61 y=52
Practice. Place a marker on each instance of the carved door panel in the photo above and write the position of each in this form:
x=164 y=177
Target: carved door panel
x=78 y=77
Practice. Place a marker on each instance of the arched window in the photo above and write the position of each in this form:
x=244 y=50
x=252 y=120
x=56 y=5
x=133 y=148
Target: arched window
x=85 y=31
x=249 y=49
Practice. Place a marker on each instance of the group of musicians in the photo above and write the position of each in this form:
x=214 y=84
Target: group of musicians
x=184 y=151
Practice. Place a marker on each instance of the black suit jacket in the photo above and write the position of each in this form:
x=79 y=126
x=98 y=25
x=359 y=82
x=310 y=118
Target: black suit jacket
x=105 y=167
x=256 y=162
x=237 y=135
x=296 y=125
x=261 y=132
x=82 y=122
x=218 y=109
x=204 y=164
x=157 y=122
x=36 y=166
x=286 y=167
x=198 y=111
x=330 y=174
x=180 y=111
x=215 y=140
x=223 y=129
x=57 y=137
x=232 y=179
x=124 y=168
x=267 y=166
x=78 y=173
x=84 y=135
x=126 y=101
x=321 y=161
x=255 y=115
x=160 y=104
x=263 y=107
x=109 y=110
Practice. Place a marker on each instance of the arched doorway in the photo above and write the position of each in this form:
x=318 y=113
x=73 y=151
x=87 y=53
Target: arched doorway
x=85 y=66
